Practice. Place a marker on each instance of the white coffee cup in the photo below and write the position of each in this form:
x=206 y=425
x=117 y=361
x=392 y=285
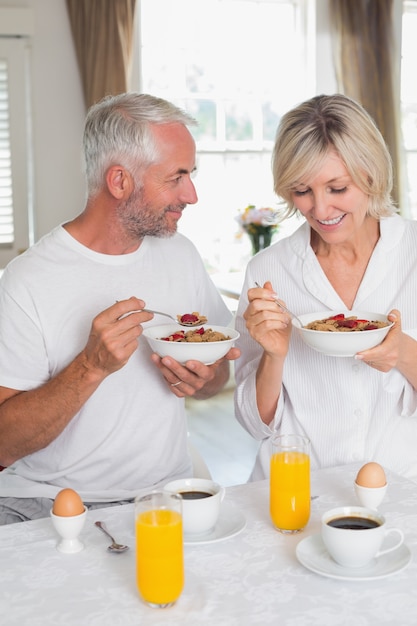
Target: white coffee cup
x=201 y=503
x=353 y=535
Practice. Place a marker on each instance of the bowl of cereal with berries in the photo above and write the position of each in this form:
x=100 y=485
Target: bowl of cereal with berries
x=342 y=333
x=206 y=343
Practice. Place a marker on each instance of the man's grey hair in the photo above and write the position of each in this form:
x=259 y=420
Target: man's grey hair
x=118 y=131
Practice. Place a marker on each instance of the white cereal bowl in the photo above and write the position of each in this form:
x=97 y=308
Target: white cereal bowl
x=206 y=352
x=342 y=344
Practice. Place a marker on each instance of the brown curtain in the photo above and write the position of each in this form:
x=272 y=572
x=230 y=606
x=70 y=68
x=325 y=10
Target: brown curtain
x=363 y=36
x=103 y=34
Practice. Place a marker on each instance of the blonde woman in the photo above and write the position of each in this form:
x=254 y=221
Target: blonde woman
x=352 y=251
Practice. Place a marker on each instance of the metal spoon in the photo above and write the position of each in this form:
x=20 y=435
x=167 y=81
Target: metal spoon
x=177 y=321
x=113 y=547
x=284 y=308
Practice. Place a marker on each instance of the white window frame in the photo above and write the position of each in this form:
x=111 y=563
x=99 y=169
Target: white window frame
x=16 y=28
x=409 y=199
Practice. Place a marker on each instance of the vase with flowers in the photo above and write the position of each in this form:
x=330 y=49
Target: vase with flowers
x=260 y=224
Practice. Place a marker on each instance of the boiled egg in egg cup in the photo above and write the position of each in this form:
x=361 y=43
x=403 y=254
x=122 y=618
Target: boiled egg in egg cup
x=68 y=516
x=370 y=485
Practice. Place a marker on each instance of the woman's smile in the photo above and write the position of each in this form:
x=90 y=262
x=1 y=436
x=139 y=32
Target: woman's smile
x=332 y=222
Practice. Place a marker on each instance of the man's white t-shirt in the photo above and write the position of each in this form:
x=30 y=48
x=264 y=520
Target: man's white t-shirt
x=131 y=435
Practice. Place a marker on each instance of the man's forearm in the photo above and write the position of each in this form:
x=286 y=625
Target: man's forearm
x=30 y=420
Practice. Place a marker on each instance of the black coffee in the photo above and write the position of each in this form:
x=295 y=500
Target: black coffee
x=353 y=523
x=194 y=495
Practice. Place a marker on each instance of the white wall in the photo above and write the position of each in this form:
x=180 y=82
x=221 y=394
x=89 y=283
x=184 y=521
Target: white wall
x=57 y=115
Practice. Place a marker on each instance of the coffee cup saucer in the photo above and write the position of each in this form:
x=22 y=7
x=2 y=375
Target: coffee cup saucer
x=311 y=553
x=231 y=522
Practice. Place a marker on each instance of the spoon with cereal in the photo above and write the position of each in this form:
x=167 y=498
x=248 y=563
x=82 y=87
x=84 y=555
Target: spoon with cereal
x=187 y=319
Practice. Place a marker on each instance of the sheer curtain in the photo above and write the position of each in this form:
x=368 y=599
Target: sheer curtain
x=366 y=62
x=103 y=36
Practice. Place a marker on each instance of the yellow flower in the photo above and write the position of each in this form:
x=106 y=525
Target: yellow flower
x=251 y=218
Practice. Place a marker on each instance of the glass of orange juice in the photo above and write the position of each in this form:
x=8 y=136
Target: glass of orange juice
x=290 y=483
x=159 y=548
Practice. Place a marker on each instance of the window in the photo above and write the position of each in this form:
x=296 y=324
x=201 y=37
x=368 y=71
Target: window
x=6 y=198
x=409 y=104
x=237 y=66
x=15 y=201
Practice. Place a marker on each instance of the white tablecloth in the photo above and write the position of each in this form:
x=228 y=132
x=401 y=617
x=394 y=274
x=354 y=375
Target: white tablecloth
x=252 y=578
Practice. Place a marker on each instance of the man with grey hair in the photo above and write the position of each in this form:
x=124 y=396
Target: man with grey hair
x=83 y=401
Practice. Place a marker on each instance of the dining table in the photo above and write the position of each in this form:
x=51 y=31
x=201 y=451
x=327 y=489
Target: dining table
x=243 y=572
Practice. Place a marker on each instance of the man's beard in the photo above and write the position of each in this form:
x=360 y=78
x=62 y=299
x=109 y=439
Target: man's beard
x=140 y=220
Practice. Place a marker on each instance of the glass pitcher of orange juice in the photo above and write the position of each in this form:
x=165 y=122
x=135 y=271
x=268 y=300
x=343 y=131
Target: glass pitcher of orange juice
x=290 y=482
x=159 y=548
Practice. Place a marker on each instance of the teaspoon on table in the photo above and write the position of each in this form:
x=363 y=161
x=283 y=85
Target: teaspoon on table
x=284 y=308
x=114 y=546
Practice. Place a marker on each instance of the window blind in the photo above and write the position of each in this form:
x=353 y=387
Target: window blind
x=6 y=196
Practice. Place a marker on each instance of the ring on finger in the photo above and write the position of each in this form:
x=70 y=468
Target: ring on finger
x=176 y=384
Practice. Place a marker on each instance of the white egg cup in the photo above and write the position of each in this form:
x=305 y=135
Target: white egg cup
x=69 y=528
x=370 y=497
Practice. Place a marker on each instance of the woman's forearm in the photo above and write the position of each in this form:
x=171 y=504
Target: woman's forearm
x=407 y=362
x=268 y=386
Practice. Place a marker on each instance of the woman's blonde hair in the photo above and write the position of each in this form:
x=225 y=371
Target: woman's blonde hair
x=308 y=132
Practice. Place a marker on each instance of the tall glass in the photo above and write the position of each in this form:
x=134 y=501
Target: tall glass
x=290 y=483
x=159 y=548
